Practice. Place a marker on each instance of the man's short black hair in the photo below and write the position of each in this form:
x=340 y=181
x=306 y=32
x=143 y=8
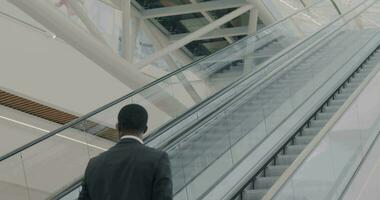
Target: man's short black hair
x=132 y=117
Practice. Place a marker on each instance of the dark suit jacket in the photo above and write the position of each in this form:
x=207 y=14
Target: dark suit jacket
x=128 y=171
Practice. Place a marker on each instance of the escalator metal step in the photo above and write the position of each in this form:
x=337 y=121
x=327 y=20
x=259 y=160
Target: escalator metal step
x=275 y=170
x=254 y=194
x=303 y=140
x=310 y=131
x=285 y=159
x=265 y=182
x=295 y=149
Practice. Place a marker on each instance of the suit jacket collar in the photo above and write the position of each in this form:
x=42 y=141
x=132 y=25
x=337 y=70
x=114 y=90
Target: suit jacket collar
x=133 y=137
x=128 y=141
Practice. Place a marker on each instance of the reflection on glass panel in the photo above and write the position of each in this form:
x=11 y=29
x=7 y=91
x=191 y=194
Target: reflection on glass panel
x=16 y=134
x=182 y=23
x=283 y=8
x=345 y=5
x=150 y=4
x=13 y=184
x=107 y=21
x=206 y=47
x=65 y=8
x=371 y=17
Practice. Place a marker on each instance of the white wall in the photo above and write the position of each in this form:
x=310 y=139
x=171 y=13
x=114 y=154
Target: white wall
x=49 y=71
x=47 y=166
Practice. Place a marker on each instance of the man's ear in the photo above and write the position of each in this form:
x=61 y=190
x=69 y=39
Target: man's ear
x=146 y=129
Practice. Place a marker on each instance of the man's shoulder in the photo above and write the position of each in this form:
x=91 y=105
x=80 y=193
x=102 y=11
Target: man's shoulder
x=140 y=149
x=154 y=152
x=100 y=156
x=145 y=153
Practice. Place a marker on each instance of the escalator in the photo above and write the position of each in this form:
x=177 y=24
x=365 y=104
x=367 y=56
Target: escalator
x=284 y=157
x=224 y=130
x=205 y=142
x=327 y=166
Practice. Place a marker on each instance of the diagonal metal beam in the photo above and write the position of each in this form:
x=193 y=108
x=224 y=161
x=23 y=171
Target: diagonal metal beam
x=303 y=3
x=264 y=12
x=179 y=54
x=210 y=19
x=171 y=63
x=78 y=9
x=192 y=8
x=113 y=3
x=126 y=41
x=218 y=33
x=252 y=29
x=196 y=34
x=218 y=5
x=253 y=19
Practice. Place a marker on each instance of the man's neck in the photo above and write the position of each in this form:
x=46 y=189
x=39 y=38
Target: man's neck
x=133 y=137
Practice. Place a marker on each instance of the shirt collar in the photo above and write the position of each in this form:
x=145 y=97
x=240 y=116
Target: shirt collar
x=132 y=137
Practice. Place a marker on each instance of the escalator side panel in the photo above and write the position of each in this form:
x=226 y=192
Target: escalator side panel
x=291 y=124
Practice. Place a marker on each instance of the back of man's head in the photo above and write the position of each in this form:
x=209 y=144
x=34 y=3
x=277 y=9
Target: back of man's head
x=132 y=120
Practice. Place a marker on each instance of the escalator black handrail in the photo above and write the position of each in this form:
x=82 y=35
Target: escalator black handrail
x=70 y=189
x=152 y=84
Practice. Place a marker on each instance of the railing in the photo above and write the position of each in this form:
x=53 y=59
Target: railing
x=46 y=156
x=270 y=121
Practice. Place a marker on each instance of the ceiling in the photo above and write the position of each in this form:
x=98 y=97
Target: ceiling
x=178 y=25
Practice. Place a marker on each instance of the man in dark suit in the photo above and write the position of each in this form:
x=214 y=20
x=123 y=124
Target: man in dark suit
x=129 y=170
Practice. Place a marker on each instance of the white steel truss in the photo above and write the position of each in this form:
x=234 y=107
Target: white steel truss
x=122 y=66
x=193 y=8
x=222 y=32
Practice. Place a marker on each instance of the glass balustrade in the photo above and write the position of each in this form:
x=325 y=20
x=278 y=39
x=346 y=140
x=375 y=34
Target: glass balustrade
x=31 y=173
